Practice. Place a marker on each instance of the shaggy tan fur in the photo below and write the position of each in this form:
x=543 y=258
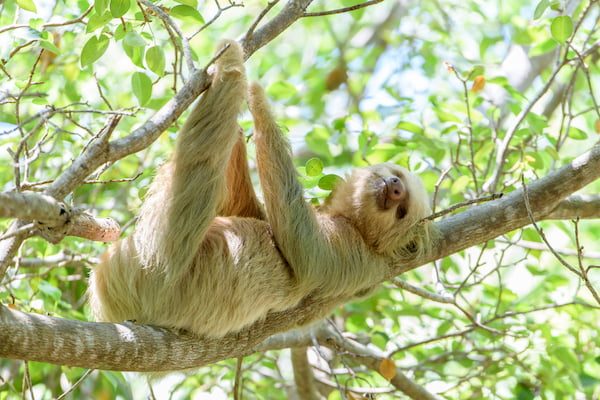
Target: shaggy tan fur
x=206 y=257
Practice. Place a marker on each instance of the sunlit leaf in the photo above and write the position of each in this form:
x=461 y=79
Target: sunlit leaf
x=561 y=28
x=314 y=167
x=577 y=134
x=100 y=6
x=135 y=54
x=93 y=49
x=134 y=39
x=410 y=127
x=155 y=60
x=566 y=356
x=540 y=8
x=96 y=21
x=191 y=3
x=28 y=5
x=118 y=8
x=542 y=48
x=460 y=184
x=142 y=87
x=186 y=13
x=475 y=72
x=282 y=90
x=328 y=182
x=50 y=46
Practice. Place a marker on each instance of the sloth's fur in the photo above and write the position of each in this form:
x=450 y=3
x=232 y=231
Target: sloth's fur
x=208 y=258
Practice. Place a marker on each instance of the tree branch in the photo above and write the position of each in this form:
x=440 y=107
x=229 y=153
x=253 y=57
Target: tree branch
x=293 y=10
x=54 y=221
x=130 y=347
x=32 y=206
x=343 y=10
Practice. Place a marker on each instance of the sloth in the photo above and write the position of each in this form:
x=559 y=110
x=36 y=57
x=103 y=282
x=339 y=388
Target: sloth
x=208 y=258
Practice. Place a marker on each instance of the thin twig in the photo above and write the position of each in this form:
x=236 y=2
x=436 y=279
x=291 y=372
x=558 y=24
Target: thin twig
x=51 y=24
x=343 y=10
x=216 y=16
x=75 y=385
x=455 y=207
x=237 y=384
x=94 y=181
x=584 y=271
x=260 y=17
x=445 y=298
x=541 y=232
x=26 y=229
x=106 y=131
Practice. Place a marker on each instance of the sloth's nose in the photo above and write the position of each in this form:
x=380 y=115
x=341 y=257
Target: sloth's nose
x=396 y=189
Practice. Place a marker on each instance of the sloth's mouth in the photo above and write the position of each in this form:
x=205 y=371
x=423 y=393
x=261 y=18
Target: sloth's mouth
x=391 y=192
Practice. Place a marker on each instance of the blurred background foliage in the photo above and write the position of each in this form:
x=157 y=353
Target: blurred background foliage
x=435 y=86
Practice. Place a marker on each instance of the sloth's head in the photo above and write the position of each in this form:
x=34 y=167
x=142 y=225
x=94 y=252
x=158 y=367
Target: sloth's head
x=384 y=202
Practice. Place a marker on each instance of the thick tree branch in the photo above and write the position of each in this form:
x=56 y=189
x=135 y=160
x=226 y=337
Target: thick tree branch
x=140 y=348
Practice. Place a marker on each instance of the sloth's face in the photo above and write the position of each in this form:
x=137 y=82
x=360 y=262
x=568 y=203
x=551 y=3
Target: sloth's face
x=390 y=189
x=383 y=202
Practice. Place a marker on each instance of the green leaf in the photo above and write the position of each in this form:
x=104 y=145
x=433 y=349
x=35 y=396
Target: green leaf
x=50 y=46
x=49 y=290
x=135 y=54
x=445 y=116
x=37 y=24
x=118 y=8
x=542 y=48
x=484 y=152
x=329 y=181
x=28 y=5
x=100 y=6
x=314 y=167
x=561 y=28
x=155 y=60
x=535 y=160
x=475 y=71
x=134 y=39
x=553 y=153
x=93 y=49
x=318 y=140
x=577 y=134
x=540 y=8
x=142 y=87
x=191 y=3
x=460 y=184
x=186 y=13
x=566 y=356
x=410 y=127
x=282 y=90
x=97 y=21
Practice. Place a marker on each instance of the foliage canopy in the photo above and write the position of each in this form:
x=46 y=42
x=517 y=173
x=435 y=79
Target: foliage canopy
x=477 y=97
